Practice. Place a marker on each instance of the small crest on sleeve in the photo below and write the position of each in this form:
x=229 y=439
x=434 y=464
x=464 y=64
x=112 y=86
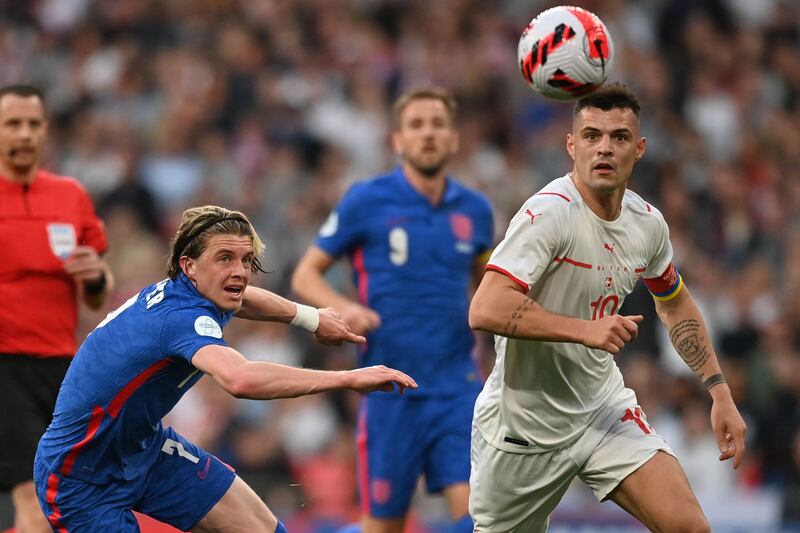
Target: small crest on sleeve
x=207 y=327
x=331 y=225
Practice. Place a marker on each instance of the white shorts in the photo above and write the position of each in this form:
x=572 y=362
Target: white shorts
x=517 y=492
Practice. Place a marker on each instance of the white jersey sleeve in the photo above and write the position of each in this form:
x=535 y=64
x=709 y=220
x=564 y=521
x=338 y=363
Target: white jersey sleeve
x=533 y=239
x=662 y=248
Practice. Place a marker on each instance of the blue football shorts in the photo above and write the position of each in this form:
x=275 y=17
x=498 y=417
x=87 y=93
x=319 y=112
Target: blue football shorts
x=400 y=438
x=180 y=488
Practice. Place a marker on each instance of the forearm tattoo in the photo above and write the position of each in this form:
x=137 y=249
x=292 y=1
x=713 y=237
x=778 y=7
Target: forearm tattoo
x=510 y=329
x=685 y=337
x=716 y=379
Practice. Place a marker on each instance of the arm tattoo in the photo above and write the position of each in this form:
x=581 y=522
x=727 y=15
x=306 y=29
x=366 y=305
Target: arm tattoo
x=686 y=339
x=510 y=329
x=716 y=379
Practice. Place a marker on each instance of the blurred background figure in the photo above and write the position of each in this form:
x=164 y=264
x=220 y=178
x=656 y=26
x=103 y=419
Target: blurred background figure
x=276 y=107
x=51 y=241
x=417 y=240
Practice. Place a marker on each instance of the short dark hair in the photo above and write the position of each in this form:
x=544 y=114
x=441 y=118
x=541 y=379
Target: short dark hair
x=24 y=90
x=608 y=97
x=424 y=93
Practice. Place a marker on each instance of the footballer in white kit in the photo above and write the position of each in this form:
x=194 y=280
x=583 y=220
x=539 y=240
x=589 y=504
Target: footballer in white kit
x=555 y=405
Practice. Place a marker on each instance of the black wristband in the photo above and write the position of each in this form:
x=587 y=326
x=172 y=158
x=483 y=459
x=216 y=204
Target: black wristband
x=97 y=286
x=716 y=379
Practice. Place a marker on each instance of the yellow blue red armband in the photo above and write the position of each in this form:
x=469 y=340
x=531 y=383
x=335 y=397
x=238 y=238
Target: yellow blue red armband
x=667 y=285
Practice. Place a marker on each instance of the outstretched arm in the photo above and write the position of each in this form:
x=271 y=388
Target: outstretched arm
x=689 y=335
x=500 y=306
x=327 y=325
x=260 y=380
x=310 y=284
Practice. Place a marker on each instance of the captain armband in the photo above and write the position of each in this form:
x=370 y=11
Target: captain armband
x=667 y=285
x=306 y=317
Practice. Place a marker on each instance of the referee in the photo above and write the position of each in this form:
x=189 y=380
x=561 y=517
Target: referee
x=51 y=242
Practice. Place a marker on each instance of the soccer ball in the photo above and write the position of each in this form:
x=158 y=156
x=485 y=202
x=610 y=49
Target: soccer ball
x=565 y=53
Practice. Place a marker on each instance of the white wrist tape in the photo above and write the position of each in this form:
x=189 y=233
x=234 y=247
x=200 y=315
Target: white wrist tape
x=306 y=317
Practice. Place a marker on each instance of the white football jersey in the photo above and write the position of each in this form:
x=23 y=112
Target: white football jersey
x=542 y=395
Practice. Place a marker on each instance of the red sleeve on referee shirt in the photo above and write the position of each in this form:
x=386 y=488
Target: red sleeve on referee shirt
x=92 y=230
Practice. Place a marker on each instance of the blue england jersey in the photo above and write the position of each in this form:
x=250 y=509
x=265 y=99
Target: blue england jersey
x=413 y=264
x=129 y=373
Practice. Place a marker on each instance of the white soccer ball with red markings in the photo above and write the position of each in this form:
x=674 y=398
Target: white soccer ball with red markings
x=565 y=53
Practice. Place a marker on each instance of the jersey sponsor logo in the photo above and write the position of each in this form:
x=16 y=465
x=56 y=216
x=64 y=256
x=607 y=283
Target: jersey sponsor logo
x=207 y=327
x=609 y=247
x=532 y=215
x=331 y=225
x=63 y=239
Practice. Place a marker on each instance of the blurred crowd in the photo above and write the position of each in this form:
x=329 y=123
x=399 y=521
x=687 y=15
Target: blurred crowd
x=275 y=107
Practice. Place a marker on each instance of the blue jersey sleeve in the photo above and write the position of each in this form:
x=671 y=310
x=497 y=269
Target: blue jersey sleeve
x=345 y=228
x=484 y=234
x=187 y=330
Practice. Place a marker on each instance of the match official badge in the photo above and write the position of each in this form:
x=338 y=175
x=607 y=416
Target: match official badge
x=62 y=238
x=207 y=327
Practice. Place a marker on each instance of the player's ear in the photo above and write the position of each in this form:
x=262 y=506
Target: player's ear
x=640 y=148
x=571 y=145
x=397 y=145
x=456 y=144
x=188 y=266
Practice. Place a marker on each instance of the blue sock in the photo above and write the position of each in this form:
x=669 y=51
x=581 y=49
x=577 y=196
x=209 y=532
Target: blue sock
x=462 y=525
x=280 y=528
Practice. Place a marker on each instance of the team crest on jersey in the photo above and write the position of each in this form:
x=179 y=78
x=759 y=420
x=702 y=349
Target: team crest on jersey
x=381 y=490
x=207 y=327
x=63 y=239
x=462 y=229
x=462 y=226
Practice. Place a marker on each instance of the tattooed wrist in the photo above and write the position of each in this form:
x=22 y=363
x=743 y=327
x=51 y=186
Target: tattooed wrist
x=685 y=337
x=716 y=379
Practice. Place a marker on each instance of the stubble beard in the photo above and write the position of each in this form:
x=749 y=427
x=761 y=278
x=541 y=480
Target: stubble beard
x=429 y=170
x=20 y=167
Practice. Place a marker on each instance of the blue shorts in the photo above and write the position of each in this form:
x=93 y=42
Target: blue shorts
x=402 y=437
x=181 y=487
